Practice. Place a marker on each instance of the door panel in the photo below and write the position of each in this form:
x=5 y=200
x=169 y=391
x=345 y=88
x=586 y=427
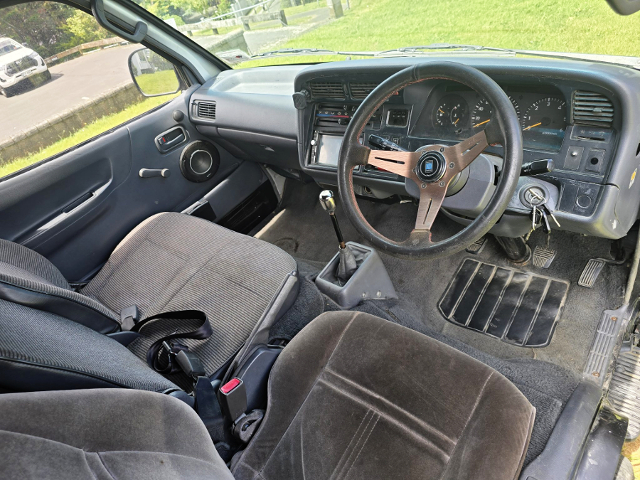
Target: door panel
x=76 y=208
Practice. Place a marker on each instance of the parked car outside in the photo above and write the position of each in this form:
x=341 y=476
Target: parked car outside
x=19 y=65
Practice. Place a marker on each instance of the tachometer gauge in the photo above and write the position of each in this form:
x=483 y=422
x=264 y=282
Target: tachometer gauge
x=481 y=114
x=452 y=113
x=545 y=114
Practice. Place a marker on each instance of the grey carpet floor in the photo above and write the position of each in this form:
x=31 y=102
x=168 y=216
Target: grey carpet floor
x=304 y=230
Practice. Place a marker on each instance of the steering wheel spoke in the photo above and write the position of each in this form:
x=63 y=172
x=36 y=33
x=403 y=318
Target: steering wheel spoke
x=431 y=198
x=465 y=152
x=400 y=163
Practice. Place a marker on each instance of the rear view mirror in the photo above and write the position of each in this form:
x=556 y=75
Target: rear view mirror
x=153 y=75
x=625 y=7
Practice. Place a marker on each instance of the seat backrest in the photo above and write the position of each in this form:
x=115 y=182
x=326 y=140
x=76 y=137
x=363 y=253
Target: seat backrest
x=43 y=351
x=28 y=278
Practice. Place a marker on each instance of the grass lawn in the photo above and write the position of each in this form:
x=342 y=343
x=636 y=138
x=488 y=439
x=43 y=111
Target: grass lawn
x=586 y=26
x=91 y=130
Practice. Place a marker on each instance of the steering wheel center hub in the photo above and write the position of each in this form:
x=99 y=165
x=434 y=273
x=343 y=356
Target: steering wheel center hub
x=431 y=167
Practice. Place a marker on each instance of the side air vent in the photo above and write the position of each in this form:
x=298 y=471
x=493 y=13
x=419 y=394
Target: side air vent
x=327 y=90
x=593 y=109
x=206 y=110
x=360 y=91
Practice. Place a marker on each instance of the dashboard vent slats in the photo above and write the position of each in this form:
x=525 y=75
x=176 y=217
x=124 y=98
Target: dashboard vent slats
x=206 y=110
x=592 y=109
x=361 y=90
x=327 y=90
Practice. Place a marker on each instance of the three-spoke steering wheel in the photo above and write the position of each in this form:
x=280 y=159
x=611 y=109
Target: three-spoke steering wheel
x=433 y=167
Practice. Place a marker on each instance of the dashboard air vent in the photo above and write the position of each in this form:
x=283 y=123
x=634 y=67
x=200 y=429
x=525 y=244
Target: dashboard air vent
x=206 y=110
x=591 y=108
x=327 y=90
x=360 y=91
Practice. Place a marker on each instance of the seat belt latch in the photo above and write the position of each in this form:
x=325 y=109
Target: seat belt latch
x=190 y=364
x=233 y=399
x=129 y=316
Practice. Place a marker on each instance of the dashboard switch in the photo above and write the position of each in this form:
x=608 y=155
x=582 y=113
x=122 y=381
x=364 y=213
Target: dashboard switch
x=573 y=158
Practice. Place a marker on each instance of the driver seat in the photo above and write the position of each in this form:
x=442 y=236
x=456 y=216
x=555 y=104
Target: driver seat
x=352 y=396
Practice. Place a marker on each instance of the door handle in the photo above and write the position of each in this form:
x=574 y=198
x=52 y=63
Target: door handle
x=154 y=172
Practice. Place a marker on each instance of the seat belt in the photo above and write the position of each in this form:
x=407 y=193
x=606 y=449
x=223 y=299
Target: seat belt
x=179 y=359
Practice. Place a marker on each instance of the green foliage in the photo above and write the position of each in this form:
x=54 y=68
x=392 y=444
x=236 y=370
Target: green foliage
x=83 y=28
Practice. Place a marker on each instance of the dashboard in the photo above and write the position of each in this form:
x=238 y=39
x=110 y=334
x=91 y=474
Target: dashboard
x=583 y=116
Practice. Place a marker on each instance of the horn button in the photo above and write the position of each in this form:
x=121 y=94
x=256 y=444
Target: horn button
x=431 y=167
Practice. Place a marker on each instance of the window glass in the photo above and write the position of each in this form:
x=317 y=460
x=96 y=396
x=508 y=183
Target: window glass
x=242 y=32
x=64 y=80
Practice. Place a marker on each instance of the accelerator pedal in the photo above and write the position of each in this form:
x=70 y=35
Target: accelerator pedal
x=543 y=256
x=591 y=272
x=624 y=390
x=477 y=246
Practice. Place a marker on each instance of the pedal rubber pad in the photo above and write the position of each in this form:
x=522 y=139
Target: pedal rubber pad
x=543 y=257
x=477 y=246
x=591 y=272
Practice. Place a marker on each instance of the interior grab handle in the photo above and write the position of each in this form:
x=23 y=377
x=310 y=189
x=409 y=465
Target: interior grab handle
x=97 y=7
x=154 y=172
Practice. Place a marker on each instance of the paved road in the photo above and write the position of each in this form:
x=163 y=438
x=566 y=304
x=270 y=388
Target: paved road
x=73 y=83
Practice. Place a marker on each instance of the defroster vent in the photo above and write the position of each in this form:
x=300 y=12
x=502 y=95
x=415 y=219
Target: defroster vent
x=206 y=110
x=327 y=90
x=593 y=109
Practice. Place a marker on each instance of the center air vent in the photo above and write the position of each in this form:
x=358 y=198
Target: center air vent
x=593 y=109
x=206 y=110
x=360 y=91
x=327 y=90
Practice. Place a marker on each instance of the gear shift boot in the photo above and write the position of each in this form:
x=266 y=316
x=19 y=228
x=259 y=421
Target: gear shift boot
x=369 y=279
x=347 y=264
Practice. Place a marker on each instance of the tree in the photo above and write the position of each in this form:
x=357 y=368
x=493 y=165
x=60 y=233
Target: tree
x=84 y=28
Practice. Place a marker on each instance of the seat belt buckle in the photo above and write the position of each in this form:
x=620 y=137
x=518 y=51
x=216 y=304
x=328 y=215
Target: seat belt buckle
x=129 y=316
x=233 y=399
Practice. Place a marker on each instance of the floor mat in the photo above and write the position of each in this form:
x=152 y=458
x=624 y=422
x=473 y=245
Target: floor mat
x=517 y=307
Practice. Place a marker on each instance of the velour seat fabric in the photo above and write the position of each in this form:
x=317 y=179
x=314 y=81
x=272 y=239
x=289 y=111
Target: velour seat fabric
x=354 y=396
x=169 y=262
x=351 y=397
x=85 y=435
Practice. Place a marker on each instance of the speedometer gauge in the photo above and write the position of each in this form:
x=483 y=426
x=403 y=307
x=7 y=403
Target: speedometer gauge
x=481 y=114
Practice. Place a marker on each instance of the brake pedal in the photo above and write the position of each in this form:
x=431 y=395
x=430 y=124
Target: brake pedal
x=591 y=272
x=543 y=256
x=477 y=246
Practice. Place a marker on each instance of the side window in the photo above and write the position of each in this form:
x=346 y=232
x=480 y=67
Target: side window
x=65 y=80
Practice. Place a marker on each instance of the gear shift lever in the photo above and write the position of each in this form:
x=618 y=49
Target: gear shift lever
x=347 y=263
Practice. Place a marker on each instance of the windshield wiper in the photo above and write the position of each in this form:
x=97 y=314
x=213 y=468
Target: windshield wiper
x=309 y=51
x=633 y=62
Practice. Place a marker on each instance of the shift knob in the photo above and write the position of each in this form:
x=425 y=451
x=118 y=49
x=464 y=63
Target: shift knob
x=327 y=201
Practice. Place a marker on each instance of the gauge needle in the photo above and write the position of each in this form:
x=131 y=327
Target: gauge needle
x=536 y=125
x=481 y=123
x=440 y=110
x=456 y=122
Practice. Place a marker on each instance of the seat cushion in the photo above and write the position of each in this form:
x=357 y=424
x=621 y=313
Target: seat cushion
x=83 y=434
x=28 y=278
x=355 y=396
x=173 y=261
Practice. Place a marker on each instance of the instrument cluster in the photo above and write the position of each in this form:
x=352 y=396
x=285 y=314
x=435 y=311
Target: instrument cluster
x=455 y=112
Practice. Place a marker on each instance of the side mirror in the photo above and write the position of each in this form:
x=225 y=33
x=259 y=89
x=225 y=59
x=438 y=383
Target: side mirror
x=624 y=7
x=153 y=75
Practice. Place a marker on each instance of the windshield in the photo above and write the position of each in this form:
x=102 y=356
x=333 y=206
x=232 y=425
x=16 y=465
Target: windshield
x=242 y=32
x=8 y=46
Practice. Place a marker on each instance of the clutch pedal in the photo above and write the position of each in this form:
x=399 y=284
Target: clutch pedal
x=477 y=246
x=591 y=272
x=543 y=256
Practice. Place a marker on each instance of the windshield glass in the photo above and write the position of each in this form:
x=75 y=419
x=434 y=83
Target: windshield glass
x=239 y=31
x=8 y=46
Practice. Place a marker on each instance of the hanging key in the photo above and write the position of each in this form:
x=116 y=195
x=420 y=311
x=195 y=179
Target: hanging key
x=548 y=211
x=536 y=217
x=545 y=221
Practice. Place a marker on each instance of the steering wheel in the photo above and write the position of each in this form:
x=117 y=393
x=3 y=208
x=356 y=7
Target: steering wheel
x=433 y=167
